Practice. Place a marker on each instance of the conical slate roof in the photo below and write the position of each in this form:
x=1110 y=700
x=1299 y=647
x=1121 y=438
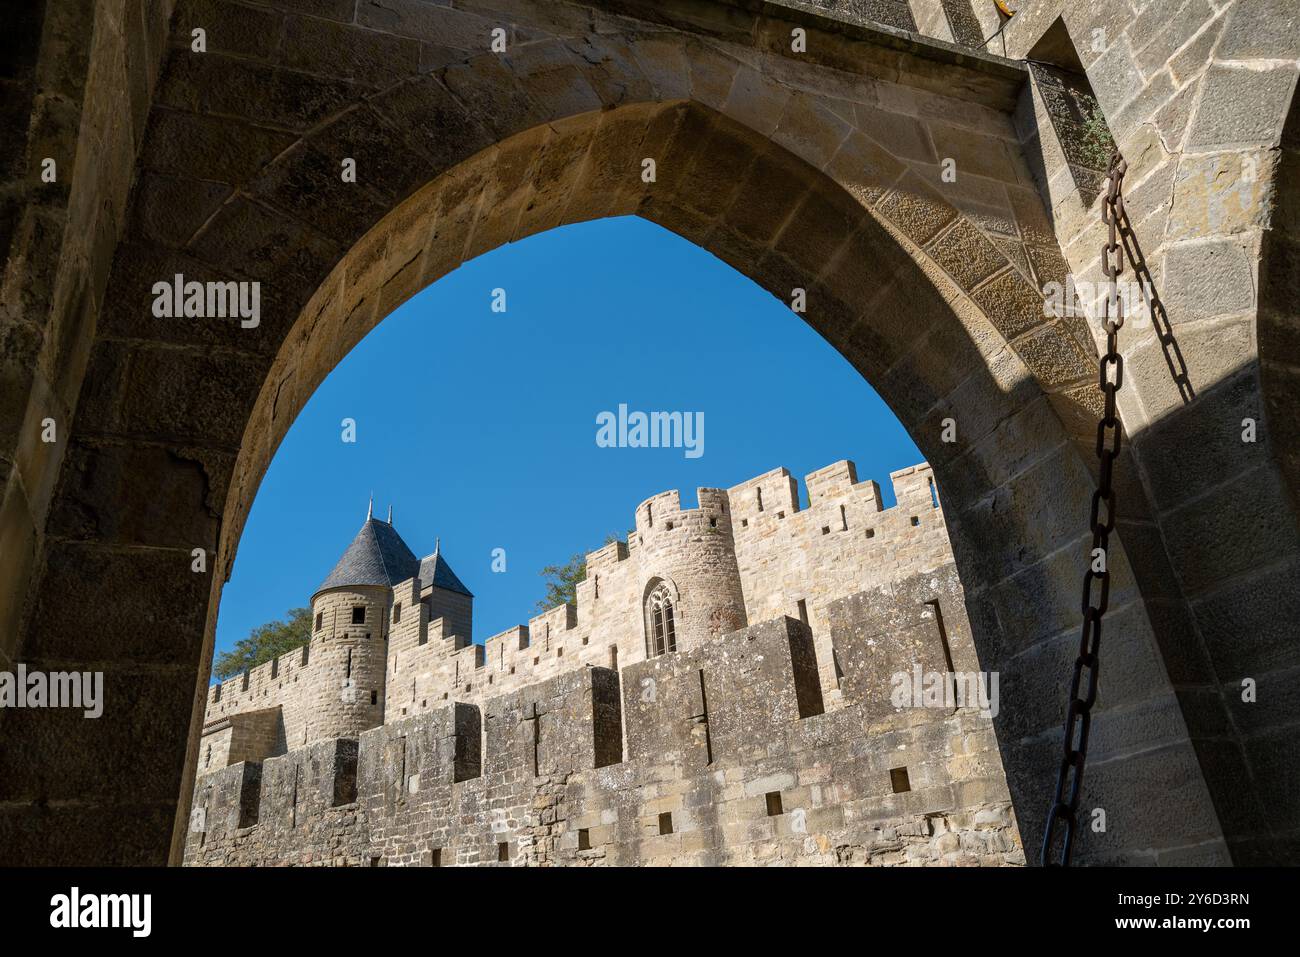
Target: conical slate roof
x=377 y=556
x=435 y=570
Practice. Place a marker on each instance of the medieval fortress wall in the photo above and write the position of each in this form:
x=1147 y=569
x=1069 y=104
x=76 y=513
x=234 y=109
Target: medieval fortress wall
x=765 y=734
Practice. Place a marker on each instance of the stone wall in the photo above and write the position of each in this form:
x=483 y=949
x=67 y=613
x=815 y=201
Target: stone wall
x=62 y=59
x=1195 y=94
x=896 y=14
x=299 y=808
x=844 y=541
x=333 y=686
x=247 y=736
x=456 y=608
x=717 y=755
x=344 y=691
x=747 y=554
x=729 y=562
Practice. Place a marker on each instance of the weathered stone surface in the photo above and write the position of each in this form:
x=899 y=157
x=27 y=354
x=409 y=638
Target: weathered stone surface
x=105 y=628
x=230 y=28
x=213 y=149
x=1266 y=29
x=1219 y=125
x=1217 y=194
x=730 y=760
x=343 y=51
x=160 y=216
x=1207 y=279
x=1172 y=31
x=966 y=254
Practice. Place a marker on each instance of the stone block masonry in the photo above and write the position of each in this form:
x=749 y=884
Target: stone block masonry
x=717 y=755
x=746 y=554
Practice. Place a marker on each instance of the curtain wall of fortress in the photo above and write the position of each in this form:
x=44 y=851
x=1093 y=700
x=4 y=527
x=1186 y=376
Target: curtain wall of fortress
x=768 y=735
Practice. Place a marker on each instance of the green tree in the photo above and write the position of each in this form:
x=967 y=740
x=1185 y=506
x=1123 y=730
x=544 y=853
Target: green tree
x=264 y=643
x=562 y=580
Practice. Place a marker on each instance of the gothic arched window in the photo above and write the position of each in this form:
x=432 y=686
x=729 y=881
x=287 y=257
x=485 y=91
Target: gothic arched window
x=661 y=631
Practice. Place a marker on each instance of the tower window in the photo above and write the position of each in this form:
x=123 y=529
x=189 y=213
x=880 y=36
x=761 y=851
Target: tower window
x=358 y=614
x=774 y=804
x=666 y=822
x=584 y=839
x=397 y=613
x=898 y=779
x=661 y=628
x=503 y=851
x=374 y=697
x=320 y=619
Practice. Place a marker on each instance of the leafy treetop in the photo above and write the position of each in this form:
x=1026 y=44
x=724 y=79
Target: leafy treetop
x=265 y=642
x=562 y=580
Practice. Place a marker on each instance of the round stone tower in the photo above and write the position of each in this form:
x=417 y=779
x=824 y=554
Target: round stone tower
x=691 y=553
x=350 y=619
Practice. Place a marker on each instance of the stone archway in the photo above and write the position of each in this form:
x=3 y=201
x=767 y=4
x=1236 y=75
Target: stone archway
x=821 y=173
x=876 y=295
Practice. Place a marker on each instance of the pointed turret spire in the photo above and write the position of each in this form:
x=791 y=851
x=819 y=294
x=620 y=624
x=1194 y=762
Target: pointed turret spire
x=377 y=556
x=434 y=570
x=390 y=514
x=370 y=509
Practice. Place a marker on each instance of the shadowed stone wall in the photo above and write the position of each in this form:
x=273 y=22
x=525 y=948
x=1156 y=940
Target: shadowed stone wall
x=1195 y=95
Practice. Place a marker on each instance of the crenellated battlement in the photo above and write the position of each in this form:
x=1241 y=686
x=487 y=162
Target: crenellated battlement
x=772 y=495
x=607 y=555
x=724 y=753
x=232 y=694
x=744 y=554
x=663 y=513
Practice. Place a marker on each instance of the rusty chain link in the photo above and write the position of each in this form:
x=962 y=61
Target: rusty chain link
x=1078 y=716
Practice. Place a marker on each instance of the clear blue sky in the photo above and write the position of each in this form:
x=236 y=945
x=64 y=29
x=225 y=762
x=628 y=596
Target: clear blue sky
x=480 y=427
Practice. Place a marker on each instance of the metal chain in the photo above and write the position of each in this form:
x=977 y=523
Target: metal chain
x=1078 y=716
